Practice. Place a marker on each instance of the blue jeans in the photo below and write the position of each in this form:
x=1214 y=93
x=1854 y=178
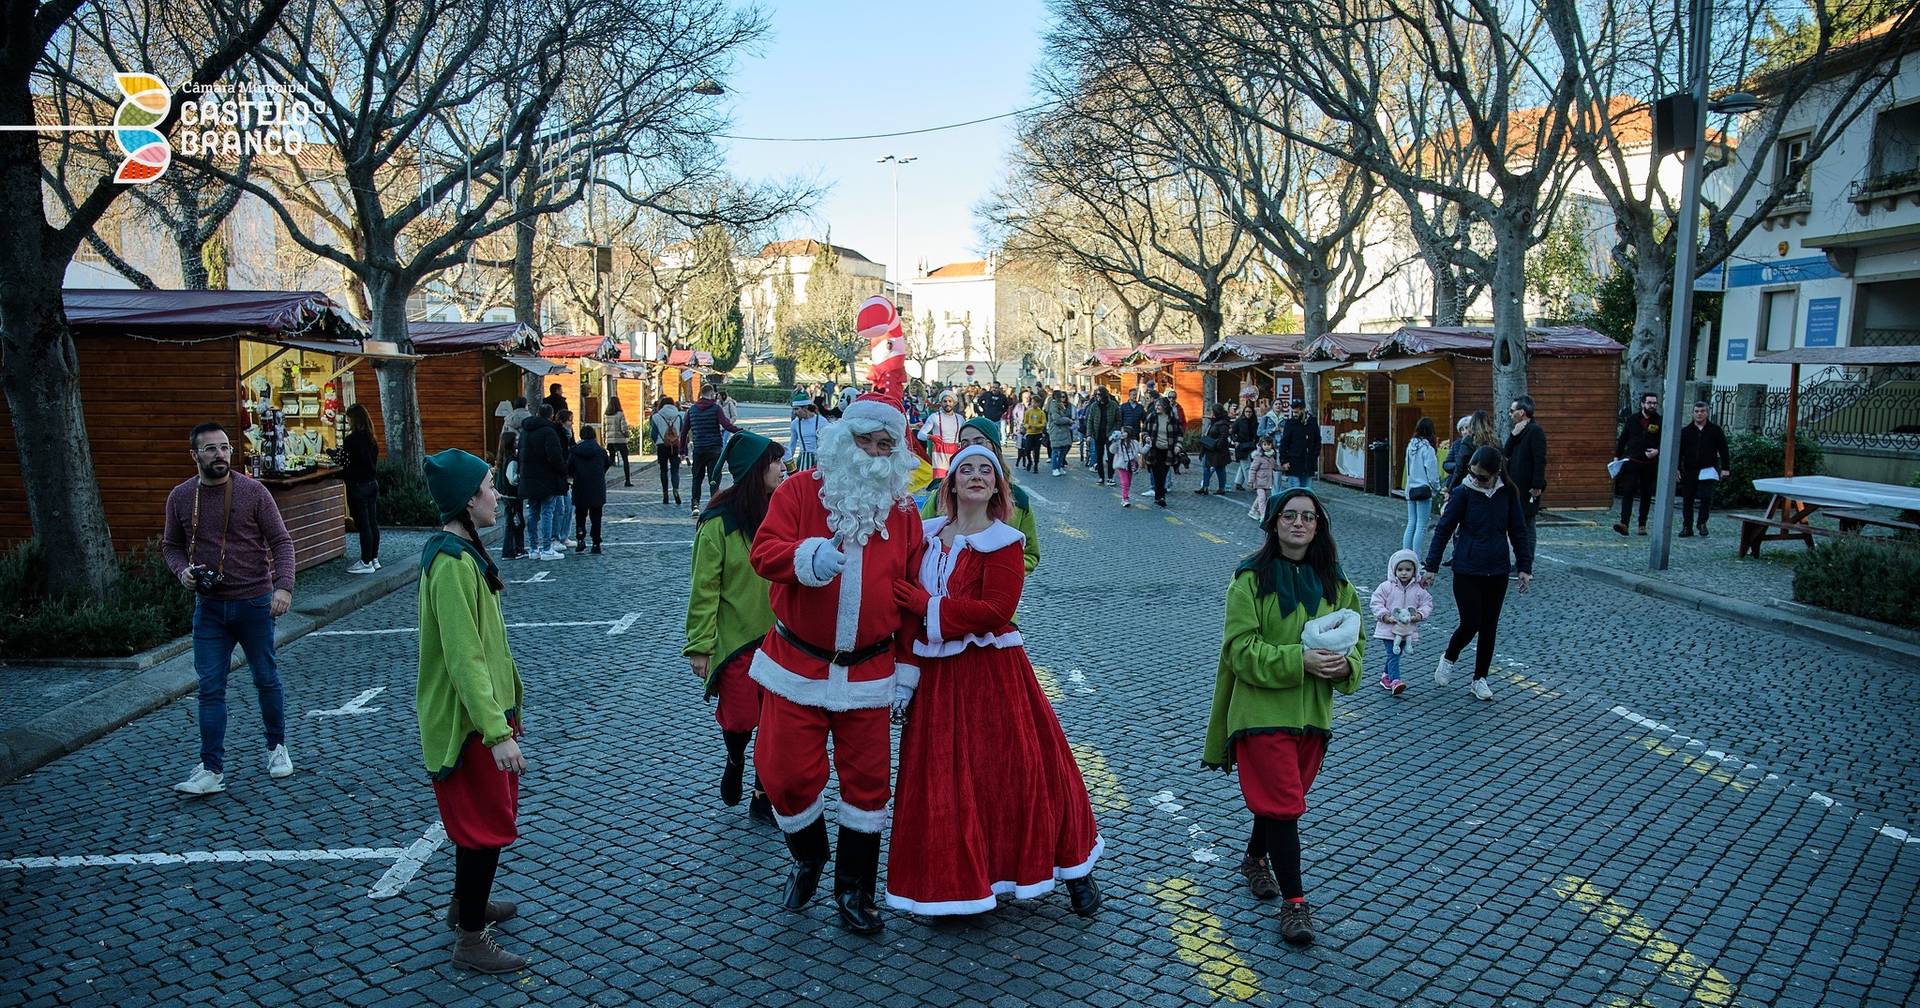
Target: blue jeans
x=1059 y=456
x=1303 y=482
x=560 y=511
x=1419 y=516
x=217 y=626
x=1208 y=472
x=541 y=524
x=1393 y=660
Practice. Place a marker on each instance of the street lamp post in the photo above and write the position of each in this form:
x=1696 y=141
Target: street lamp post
x=896 y=161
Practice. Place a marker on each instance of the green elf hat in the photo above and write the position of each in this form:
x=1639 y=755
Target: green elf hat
x=743 y=450
x=453 y=477
x=800 y=399
x=984 y=426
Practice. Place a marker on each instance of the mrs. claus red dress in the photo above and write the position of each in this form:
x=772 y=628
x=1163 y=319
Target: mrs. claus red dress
x=989 y=801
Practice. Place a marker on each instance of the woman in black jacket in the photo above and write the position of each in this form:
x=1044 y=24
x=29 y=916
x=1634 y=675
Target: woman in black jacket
x=587 y=465
x=1213 y=461
x=1162 y=434
x=1487 y=515
x=1246 y=431
x=363 y=487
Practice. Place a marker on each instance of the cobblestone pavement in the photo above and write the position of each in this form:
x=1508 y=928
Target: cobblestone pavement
x=1658 y=808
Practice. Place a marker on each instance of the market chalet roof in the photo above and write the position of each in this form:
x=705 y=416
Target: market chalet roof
x=1254 y=348
x=273 y=316
x=1339 y=346
x=972 y=268
x=566 y=346
x=802 y=247
x=458 y=337
x=1542 y=341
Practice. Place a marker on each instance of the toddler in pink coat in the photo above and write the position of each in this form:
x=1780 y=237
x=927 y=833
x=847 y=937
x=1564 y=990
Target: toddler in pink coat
x=1399 y=606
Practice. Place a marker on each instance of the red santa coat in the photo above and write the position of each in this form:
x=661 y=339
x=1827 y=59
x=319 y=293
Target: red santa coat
x=850 y=612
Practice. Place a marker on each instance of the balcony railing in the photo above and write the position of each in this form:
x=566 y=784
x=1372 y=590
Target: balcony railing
x=1890 y=186
x=1836 y=414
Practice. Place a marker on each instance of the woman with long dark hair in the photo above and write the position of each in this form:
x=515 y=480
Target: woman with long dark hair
x=363 y=487
x=1422 y=482
x=727 y=609
x=1163 y=434
x=1488 y=516
x=1292 y=638
x=1216 y=449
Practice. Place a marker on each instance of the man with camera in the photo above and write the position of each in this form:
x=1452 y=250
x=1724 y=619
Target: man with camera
x=226 y=542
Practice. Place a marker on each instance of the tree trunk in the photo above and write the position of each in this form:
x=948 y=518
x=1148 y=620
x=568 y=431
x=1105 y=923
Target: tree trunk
x=193 y=263
x=1211 y=321
x=1447 y=309
x=525 y=307
x=1509 y=316
x=1313 y=313
x=1647 y=349
x=399 y=402
x=42 y=380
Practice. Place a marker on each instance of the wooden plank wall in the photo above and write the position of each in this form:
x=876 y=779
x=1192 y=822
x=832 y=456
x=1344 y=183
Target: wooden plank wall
x=140 y=399
x=1576 y=404
x=316 y=515
x=452 y=414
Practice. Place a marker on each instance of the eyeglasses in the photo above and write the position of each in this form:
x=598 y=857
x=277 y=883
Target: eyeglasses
x=1299 y=517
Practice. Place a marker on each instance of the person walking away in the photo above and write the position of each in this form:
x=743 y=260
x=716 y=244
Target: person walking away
x=1399 y=606
x=1486 y=514
x=1299 y=448
x=506 y=477
x=224 y=539
x=563 y=513
x=1292 y=638
x=615 y=427
x=990 y=800
x=1261 y=469
x=1103 y=418
x=543 y=467
x=727 y=609
x=1639 y=445
x=803 y=431
x=587 y=466
x=1704 y=462
x=1163 y=439
x=555 y=399
x=468 y=701
x=1526 y=452
x=1216 y=449
x=1123 y=457
x=1422 y=469
x=1246 y=436
x=707 y=425
x=363 y=487
x=669 y=429
x=1059 y=430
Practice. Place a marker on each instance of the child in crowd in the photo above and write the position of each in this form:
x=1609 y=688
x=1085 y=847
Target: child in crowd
x=1399 y=605
x=1033 y=436
x=1125 y=455
x=1260 y=470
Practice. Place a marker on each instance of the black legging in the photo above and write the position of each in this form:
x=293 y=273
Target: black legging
x=1159 y=471
x=1102 y=465
x=1479 y=598
x=619 y=448
x=363 y=506
x=668 y=463
x=1278 y=840
x=702 y=467
x=473 y=871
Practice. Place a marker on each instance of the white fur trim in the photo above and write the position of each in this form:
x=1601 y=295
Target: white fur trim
x=803 y=556
x=846 y=618
x=976 y=451
x=906 y=675
x=949 y=648
x=864 y=820
x=998 y=535
x=948 y=908
x=869 y=415
x=826 y=694
x=933 y=622
x=806 y=816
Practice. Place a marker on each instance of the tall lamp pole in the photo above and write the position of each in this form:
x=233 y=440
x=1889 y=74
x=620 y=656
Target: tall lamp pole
x=898 y=268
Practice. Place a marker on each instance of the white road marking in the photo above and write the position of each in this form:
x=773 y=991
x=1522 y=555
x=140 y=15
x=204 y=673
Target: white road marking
x=1079 y=681
x=1169 y=803
x=1035 y=495
x=408 y=862
x=538 y=577
x=622 y=624
x=408 y=630
x=357 y=705
x=206 y=857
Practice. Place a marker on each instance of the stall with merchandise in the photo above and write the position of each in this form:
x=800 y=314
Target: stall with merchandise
x=1268 y=364
x=1170 y=365
x=592 y=369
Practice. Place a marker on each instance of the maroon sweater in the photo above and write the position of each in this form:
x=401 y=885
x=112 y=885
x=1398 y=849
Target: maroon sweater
x=256 y=537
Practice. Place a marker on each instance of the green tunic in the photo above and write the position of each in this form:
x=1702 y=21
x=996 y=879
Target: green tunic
x=1260 y=684
x=468 y=682
x=1021 y=519
x=727 y=607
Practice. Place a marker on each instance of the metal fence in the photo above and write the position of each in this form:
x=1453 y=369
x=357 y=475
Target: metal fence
x=1835 y=411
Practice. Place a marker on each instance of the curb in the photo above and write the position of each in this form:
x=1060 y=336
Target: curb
x=65 y=729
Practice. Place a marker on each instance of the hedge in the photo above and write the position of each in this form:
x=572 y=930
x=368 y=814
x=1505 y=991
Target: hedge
x=1757 y=456
x=1860 y=577
x=145 y=608
x=404 y=501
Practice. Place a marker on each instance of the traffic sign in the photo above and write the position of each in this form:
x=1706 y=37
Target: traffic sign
x=969 y=370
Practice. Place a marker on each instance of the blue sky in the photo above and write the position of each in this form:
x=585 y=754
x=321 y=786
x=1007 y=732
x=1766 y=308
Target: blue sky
x=843 y=68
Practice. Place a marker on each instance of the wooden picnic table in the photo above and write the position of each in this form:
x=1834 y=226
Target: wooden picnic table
x=1796 y=498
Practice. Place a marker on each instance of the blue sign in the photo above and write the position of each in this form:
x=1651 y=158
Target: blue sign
x=1736 y=349
x=1782 y=271
x=1823 y=322
x=1712 y=281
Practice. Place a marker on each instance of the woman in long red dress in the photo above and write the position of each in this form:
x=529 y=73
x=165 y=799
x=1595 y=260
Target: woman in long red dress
x=989 y=801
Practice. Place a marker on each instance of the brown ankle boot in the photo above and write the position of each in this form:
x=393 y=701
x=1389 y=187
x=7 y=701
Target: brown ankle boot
x=476 y=951
x=497 y=911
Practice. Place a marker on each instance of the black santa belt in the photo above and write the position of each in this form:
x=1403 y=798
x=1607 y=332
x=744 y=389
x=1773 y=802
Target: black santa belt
x=844 y=659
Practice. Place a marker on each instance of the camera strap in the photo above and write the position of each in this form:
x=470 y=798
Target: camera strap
x=193 y=536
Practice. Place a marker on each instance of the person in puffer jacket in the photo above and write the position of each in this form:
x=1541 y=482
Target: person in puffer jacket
x=1399 y=606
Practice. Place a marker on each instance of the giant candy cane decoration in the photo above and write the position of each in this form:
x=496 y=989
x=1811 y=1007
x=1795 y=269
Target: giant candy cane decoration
x=879 y=324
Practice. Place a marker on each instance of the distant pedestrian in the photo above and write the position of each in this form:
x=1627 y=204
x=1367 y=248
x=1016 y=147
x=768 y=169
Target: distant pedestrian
x=363 y=487
x=1216 y=449
x=506 y=478
x=555 y=399
x=728 y=404
x=1261 y=470
x=669 y=429
x=1299 y=445
x=707 y=425
x=562 y=514
x=517 y=414
x=803 y=431
x=1246 y=436
x=1486 y=514
x=587 y=465
x=941 y=433
x=1423 y=478
x=1292 y=638
x=993 y=403
x=543 y=474
x=469 y=703
x=1704 y=462
x=1103 y=418
x=1060 y=425
x=224 y=539
x=1123 y=457
x=1639 y=446
x=1399 y=606
x=1478 y=433
x=617 y=431
x=1162 y=435
x=1526 y=452
x=1032 y=424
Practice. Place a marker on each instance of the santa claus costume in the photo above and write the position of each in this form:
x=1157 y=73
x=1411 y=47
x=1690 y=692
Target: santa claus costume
x=835 y=541
x=990 y=800
x=941 y=432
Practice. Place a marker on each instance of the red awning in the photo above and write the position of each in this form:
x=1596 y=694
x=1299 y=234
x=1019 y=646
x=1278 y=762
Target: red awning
x=1542 y=341
x=269 y=316
x=456 y=337
x=689 y=358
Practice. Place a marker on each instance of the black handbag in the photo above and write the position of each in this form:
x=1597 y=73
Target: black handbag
x=1208 y=443
x=1420 y=492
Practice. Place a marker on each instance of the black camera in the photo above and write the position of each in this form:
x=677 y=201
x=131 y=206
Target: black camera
x=205 y=579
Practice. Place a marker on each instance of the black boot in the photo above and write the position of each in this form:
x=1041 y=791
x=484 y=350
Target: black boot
x=809 y=847
x=1084 y=896
x=853 y=878
x=759 y=809
x=736 y=766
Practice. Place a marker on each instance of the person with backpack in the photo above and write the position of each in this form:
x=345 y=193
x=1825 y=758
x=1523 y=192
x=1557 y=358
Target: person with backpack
x=669 y=429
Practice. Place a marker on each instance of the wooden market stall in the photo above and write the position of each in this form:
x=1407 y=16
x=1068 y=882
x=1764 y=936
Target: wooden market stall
x=591 y=369
x=467 y=370
x=1573 y=374
x=1171 y=364
x=683 y=372
x=153 y=364
x=1270 y=363
x=1103 y=368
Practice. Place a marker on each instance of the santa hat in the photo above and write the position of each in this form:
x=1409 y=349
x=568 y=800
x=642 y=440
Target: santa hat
x=871 y=413
x=877 y=318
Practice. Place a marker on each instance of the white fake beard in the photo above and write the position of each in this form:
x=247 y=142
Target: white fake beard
x=858 y=489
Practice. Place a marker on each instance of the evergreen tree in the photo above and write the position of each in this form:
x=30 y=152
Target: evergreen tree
x=714 y=321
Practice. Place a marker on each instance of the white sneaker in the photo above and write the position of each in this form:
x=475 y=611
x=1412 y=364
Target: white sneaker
x=279 y=763
x=1442 y=672
x=1056 y=472
x=568 y=543
x=360 y=567
x=1125 y=503
x=1480 y=690
x=201 y=782
x=553 y=554
x=376 y=563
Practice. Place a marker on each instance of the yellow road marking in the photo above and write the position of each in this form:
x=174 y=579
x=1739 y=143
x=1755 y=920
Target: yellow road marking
x=1102 y=786
x=1530 y=685
x=1214 y=539
x=1698 y=764
x=1048 y=684
x=1071 y=532
x=1680 y=967
x=1202 y=943
x=1171 y=520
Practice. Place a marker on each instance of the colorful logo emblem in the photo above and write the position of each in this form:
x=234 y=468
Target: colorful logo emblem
x=147 y=102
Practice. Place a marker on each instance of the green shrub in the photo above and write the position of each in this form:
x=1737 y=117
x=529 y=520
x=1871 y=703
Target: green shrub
x=1855 y=576
x=404 y=501
x=761 y=394
x=1757 y=456
x=146 y=607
